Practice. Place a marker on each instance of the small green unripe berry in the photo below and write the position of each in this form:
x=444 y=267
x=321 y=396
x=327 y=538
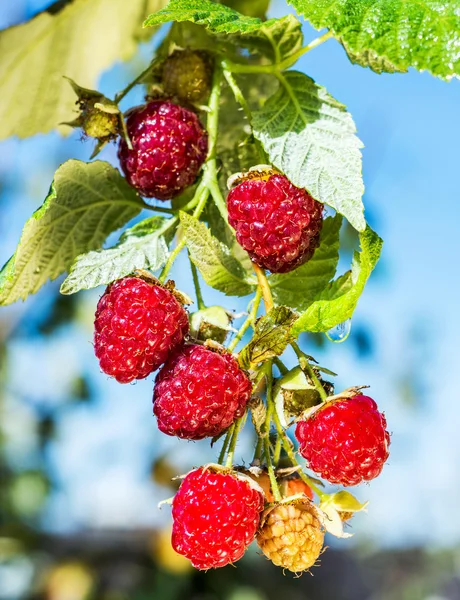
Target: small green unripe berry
x=99 y=124
x=187 y=75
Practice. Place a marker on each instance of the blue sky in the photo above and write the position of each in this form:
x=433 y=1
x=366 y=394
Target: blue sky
x=411 y=131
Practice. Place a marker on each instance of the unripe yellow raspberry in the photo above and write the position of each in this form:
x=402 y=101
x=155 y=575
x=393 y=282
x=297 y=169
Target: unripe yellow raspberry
x=291 y=535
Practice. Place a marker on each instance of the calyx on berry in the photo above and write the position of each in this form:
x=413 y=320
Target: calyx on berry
x=294 y=393
x=99 y=117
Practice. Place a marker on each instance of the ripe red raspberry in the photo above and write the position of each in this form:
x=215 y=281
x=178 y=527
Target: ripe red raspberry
x=215 y=518
x=345 y=442
x=199 y=393
x=137 y=325
x=169 y=147
x=277 y=223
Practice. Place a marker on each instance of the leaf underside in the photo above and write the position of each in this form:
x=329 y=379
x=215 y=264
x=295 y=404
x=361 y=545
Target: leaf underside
x=86 y=203
x=310 y=137
x=141 y=247
x=219 y=268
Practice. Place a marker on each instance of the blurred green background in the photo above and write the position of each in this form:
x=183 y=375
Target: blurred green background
x=82 y=465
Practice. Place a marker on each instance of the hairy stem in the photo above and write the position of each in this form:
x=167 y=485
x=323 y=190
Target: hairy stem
x=213 y=128
x=202 y=193
x=236 y=430
x=196 y=283
x=286 y=443
x=224 y=448
x=266 y=431
x=265 y=286
x=248 y=322
x=133 y=83
x=281 y=366
x=239 y=97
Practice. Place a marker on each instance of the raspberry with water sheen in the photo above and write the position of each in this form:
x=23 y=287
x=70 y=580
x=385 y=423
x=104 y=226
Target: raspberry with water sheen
x=345 y=442
x=199 y=393
x=169 y=148
x=291 y=535
x=277 y=223
x=137 y=325
x=215 y=518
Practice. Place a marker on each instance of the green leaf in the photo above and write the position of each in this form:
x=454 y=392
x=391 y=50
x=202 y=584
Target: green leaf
x=392 y=35
x=300 y=287
x=86 y=203
x=310 y=137
x=338 y=301
x=78 y=39
x=141 y=247
x=225 y=234
x=218 y=267
x=278 y=38
x=272 y=334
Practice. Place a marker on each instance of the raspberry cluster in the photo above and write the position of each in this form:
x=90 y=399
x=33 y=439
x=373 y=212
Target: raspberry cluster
x=201 y=390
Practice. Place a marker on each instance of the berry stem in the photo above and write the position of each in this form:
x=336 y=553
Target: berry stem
x=258 y=449
x=133 y=83
x=212 y=127
x=196 y=283
x=286 y=443
x=223 y=450
x=266 y=439
x=249 y=321
x=281 y=366
x=278 y=66
x=202 y=193
x=265 y=286
x=236 y=430
x=277 y=452
x=309 y=372
x=239 y=97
